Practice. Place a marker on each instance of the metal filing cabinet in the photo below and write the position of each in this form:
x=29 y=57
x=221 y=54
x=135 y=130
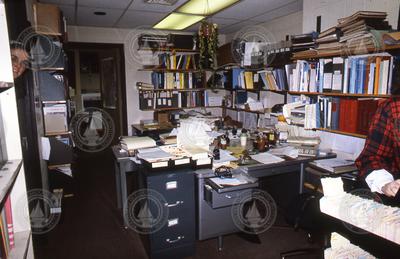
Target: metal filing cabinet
x=176 y=239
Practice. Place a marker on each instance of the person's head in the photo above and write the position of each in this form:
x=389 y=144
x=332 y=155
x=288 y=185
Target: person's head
x=19 y=59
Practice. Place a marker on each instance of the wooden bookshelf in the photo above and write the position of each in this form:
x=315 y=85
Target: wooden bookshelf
x=341 y=94
x=8 y=174
x=343 y=133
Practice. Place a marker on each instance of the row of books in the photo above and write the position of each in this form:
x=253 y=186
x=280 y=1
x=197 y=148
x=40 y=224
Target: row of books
x=347 y=115
x=169 y=80
x=274 y=79
x=149 y=100
x=6 y=229
x=362 y=74
x=173 y=61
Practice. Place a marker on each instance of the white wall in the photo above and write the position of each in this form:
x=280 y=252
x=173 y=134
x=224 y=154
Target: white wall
x=280 y=27
x=331 y=10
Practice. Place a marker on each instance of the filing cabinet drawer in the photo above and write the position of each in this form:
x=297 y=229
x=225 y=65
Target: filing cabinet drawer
x=174 y=187
x=178 y=230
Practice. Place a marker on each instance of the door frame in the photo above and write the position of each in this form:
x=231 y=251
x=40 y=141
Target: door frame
x=72 y=46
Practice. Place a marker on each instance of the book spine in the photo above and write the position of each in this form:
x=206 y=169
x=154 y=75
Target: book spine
x=9 y=219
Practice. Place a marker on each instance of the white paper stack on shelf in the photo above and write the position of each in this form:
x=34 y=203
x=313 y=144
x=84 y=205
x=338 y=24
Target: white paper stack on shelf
x=366 y=214
x=134 y=143
x=342 y=248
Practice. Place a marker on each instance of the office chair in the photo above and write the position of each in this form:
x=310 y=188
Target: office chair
x=304 y=213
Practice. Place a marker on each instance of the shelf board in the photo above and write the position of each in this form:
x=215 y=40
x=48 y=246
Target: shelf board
x=342 y=133
x=243 y=110
x=177 y=90
x=343 y=52
x=46 y=33
x=51 y=69
x=180 y=108
x=22 y=242
x=171 y=70
x=8 y=174
x=50 y=134
x=340 y=94
x=169 y=50
x=54 y=102
x=53 y=167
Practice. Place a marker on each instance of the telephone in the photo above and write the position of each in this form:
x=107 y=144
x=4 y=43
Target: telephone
x=223 y=172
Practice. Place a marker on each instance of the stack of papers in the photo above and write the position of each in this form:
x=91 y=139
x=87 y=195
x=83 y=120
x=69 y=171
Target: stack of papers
x=266 y=158
x=335 y=165
x=152 y=155
x=221 y=182
x=288 y=151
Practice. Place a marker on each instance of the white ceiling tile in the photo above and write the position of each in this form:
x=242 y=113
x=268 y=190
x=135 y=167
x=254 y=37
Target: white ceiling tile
x=119 y=4
x=69 y=13
x=247 y=9
x=140 y=5
x=132 y=19
x=59 y=2
x=87 y=18
x=236 y=27
x=278 y=12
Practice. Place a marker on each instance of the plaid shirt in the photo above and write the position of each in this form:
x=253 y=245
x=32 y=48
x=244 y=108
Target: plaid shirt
x=382 y=147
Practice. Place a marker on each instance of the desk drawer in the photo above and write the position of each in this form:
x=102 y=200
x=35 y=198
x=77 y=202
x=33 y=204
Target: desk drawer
x=218 y=200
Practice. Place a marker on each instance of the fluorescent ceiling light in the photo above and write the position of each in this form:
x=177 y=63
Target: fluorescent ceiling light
x=205 y=7
x=178 y=21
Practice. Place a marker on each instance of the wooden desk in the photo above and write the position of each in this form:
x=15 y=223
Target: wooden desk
x=141 y=130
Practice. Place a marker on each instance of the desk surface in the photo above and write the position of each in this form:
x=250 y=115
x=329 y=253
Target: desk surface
x=123 y=156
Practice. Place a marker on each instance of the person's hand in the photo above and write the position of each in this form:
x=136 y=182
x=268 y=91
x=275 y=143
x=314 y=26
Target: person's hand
x=390 y=189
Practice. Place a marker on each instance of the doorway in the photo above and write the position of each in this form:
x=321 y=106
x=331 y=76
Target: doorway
x=97 y=79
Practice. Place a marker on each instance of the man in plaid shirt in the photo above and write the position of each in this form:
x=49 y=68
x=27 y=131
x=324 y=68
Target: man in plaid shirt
x=379 y=162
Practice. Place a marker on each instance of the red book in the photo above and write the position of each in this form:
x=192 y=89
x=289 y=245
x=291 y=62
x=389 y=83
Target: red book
x=352 y=116
x=10 y=225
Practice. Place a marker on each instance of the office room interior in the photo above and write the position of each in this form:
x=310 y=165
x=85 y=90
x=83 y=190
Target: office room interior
x=199 y=129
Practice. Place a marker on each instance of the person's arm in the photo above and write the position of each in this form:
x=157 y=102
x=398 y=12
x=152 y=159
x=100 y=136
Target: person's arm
x=375 y=160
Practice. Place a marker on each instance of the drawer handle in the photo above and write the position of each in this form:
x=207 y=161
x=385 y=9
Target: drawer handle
x=174 y=204
x=175 y=240
x=228 y=196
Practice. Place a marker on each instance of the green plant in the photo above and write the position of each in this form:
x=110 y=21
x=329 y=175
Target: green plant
x=208 y=44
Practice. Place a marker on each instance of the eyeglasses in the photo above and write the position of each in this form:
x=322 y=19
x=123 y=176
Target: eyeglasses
x=15 y=60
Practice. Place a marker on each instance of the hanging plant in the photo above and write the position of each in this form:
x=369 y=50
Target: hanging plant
x=208 y=44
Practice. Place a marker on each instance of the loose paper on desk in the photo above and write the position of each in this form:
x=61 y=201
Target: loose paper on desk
x=266 y=158
x=289 y=151
x=133 y=143
x=153 y=154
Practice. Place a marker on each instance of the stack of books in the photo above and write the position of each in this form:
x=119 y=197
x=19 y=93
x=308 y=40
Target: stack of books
x=358 y=33
x=303 y=41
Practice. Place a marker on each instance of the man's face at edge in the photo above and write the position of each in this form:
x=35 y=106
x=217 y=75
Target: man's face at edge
x=19 y=58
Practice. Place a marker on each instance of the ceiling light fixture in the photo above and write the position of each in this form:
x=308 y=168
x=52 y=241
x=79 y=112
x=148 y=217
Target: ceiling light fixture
x=178 y=21
x=205 y=7
x=162 y=2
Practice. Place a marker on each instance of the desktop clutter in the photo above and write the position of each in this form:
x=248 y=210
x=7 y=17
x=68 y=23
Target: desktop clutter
x=204 y=141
